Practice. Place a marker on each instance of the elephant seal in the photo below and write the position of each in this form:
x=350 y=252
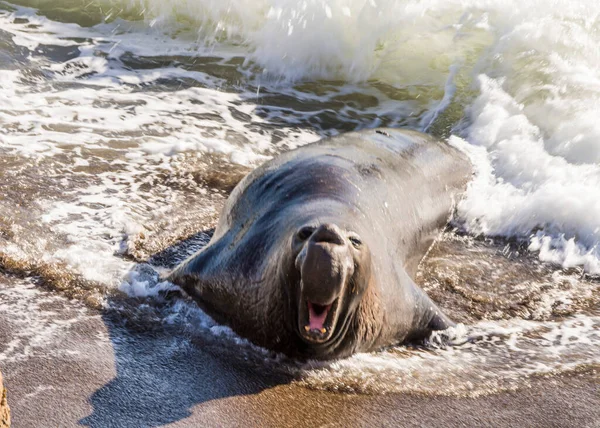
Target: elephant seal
x=314 y=251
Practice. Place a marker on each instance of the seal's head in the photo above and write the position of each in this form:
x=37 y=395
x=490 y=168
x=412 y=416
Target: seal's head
x=334 y=268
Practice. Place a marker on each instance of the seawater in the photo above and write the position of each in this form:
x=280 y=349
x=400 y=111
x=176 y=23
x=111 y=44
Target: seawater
x=124 y=125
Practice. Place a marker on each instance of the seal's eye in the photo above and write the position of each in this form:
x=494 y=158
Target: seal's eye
x=305 y=232
x=355 y=240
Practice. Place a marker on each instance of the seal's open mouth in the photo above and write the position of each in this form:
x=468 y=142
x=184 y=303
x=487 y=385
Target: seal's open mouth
x=317 y=314
x=317 y=321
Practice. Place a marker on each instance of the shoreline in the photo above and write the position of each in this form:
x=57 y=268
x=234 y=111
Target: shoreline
x=99 y=374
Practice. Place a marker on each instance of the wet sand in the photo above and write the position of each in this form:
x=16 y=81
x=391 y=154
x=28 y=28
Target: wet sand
x=101 y=371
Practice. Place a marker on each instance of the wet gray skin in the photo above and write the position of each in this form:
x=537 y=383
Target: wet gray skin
x=314 y=251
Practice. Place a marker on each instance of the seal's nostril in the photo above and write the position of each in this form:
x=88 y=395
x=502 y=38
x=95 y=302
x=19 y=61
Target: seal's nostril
x=328 y=233
x=305 y=232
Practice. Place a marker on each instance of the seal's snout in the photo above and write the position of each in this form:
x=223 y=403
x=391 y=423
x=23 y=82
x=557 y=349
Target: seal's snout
x=323 y=271
x=329 y=233
x=325 y=264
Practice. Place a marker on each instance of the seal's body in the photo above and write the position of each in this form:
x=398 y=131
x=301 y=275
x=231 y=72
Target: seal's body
x=314 y=251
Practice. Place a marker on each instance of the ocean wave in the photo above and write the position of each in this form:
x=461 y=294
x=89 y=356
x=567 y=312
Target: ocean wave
x=525 y=74
x=519 y=81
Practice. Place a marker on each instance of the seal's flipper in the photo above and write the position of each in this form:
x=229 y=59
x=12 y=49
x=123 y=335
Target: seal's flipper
x=211 y=279
x=428 y=316
x=198 y=272
x=440 y=322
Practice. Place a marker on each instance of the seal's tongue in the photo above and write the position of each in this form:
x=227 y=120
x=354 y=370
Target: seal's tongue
x=317 y=314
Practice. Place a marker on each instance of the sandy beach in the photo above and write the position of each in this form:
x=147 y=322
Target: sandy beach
x=95 y=372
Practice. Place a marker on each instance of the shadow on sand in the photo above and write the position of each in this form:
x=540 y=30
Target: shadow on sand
x=165 y=366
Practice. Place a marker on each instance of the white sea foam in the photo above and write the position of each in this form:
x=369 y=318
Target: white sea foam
x=522 y=186
x=534 y=72
x=33 y=320
x=533 y=65
x=494 y=356
x=99 y=212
